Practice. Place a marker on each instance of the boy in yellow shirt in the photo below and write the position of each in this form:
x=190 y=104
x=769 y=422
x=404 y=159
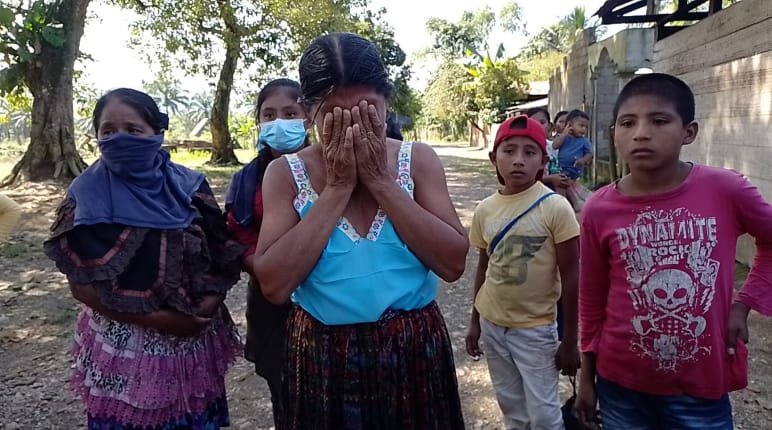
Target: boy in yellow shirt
x=528 y=239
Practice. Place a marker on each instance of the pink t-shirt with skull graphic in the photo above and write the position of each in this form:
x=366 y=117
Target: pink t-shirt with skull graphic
x=657 y=277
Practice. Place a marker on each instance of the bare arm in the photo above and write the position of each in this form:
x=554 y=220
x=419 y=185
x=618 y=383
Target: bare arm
x=479 y=279
x=754 y=213
x=289 y=247
x=568 y=265
x=428 y=225
x=473 y=333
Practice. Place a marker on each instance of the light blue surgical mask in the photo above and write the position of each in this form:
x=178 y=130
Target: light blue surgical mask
x=283 y=135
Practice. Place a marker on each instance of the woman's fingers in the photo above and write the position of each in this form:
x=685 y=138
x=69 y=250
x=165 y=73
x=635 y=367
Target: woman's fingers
x=337 y=125
x=326 y=129
x=377 y=125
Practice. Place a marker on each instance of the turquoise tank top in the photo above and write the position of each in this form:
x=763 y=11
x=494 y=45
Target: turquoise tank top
x=357 y=278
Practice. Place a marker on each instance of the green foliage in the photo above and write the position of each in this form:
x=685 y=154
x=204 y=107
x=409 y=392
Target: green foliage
x=495 y=87
x=540 y=67
x=23 y=30
x=16 y=115
x=511 y=17
x=452 y=39
x=243 y=129
x=188 y=33
x=406 y=101
x=447 y=105
x=558 y=37
x=271 y=36
x=472 y=84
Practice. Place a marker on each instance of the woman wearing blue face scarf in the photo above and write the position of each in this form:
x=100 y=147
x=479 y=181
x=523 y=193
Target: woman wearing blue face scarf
x=145 y=249
x=282 y=130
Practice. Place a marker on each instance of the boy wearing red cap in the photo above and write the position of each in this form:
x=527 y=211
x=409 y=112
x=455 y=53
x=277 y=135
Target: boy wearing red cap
x=528 y=240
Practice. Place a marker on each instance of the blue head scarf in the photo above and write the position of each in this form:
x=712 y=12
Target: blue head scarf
x=135 y=184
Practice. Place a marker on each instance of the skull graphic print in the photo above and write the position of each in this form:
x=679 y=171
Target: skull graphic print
x=671 y=278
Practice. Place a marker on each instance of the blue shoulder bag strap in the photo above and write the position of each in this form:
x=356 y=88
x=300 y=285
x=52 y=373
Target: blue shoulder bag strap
x=512 y=223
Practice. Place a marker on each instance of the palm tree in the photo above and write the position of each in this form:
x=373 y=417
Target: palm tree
x=570 y=26
x=167 y=93
x=200 y=107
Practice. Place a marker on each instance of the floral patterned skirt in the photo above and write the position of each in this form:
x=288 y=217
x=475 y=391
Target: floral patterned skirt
x=131 y=377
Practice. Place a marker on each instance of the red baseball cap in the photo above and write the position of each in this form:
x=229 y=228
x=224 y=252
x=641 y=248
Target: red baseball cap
x=521 y=125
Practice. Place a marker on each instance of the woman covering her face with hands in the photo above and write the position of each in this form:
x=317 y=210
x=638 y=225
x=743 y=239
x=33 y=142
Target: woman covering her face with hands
x=355 y=232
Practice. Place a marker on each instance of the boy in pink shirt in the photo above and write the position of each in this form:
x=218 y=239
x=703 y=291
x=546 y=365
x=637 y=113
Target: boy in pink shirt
x=662 y=334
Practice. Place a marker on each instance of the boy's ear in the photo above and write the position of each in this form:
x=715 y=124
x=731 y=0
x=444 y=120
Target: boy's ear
x=492 y=157
x=691 y=132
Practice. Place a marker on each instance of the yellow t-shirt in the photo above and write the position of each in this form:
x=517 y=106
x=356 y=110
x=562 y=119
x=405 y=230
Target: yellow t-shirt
x=522 y=283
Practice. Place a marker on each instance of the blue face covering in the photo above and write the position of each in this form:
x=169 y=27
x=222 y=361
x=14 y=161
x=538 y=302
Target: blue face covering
x=283 y=135
x=134 y=183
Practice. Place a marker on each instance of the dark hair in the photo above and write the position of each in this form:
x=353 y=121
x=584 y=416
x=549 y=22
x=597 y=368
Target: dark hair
x=559 y=114
x=392 y=128
x=339 y=59
x=663 y=86
x=533 y=111
x=576 y=113
x=142 y=103
x=272 y=87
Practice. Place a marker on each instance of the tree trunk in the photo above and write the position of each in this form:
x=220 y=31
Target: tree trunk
x=482 y=132
x=222 y=145
x=51 y=153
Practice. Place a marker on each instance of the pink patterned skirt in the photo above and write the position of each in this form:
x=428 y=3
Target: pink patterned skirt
x=140 y=377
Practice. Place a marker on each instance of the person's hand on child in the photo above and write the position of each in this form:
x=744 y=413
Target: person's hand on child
x=738 y=327
x=563 y=181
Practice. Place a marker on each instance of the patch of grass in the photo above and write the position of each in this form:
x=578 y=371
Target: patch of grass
x=190 y=158
x=195 y=159
x=20 y=249
x=217 y=176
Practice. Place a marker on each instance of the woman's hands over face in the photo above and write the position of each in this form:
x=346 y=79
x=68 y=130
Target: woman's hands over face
x=369 y=133
x=338 y=148
x=354 y=146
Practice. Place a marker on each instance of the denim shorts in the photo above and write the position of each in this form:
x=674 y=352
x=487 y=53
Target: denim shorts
x=624 y=409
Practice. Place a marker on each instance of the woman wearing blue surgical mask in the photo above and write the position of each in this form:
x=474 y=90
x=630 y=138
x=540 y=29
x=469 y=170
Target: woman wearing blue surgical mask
x=145 y=249
x=282 y=130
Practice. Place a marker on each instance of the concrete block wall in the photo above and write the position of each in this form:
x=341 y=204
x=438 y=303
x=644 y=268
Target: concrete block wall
x=727 y=60
x=570 y=82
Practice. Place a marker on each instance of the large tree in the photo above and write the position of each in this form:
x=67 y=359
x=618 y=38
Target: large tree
x=219 y=37
x=209 y=37
x=39 y=43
